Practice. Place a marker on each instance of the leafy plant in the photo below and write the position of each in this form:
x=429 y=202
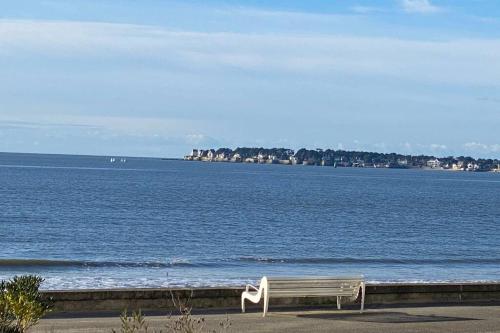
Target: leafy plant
x=135 y=323
x=6 y=317
x=21 y=304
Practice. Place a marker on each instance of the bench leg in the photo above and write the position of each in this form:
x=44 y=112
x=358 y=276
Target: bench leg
x=362 y=297
x=338 y=303
x=242 y=304
x=266 y=304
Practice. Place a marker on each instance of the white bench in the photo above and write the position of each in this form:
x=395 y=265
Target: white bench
x=274 y=287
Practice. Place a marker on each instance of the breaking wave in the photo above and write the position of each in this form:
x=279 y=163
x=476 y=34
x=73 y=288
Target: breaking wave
x=389 y=261
x=26 y=263
x=213 y=263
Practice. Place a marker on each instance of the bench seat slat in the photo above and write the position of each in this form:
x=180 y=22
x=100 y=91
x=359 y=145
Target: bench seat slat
x=313 y=281
x=314 y=290
x=310 y=295
x=277 y=280
x=308 y=286
x=306 y=290
x=314 y=285
x=303 y=287
x=319 y=282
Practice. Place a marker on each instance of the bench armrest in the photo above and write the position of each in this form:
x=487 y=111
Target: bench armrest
x=247 y=288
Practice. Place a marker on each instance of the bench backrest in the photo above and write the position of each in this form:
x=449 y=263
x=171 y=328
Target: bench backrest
x=313 y=286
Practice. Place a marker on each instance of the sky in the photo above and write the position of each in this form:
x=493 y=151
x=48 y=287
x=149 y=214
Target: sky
x=158 y=78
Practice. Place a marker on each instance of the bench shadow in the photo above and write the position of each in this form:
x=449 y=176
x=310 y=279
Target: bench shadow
x=383 y=317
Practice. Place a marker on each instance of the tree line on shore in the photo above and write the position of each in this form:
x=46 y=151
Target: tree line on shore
x=342 y=158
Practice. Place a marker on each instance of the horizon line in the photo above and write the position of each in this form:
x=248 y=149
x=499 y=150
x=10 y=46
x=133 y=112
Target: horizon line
x=295 y=150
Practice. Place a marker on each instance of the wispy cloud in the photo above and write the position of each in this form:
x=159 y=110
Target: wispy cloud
x=102 y=135
x=366 y=9
x=279 y=14
x=471 y=61
x=488 y=99
x=478 y=147
x=420 y=6
x=106 y=125
x=438 y=147
x=39 y=125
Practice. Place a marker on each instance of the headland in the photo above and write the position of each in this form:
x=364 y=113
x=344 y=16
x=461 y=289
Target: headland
x=342 y=158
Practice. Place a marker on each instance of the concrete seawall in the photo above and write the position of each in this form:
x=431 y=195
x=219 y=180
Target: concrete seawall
x=212 y=298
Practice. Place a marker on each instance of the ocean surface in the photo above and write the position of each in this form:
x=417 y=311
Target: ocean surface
x=85 y=222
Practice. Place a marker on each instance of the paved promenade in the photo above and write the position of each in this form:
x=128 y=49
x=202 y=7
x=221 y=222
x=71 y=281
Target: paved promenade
x=387 y=320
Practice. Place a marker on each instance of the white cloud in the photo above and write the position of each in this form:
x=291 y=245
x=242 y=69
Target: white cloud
x=437 y=147
x=201 y=141
x=407 y=146
x=482 y=147
x=280 y=14
x=420 y=6
x=381 y=147
x=466 y=60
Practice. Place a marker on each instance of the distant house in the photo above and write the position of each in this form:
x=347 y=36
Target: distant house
x=459 y=166
x=403 y=162
x=358 y=163
x=236 y=158
x=472 y=167
x=294 y=160
x=311 y=161
x=221 y=156
x=211 y=154
x=272 y=159
x=194 y=156
x=434 y=163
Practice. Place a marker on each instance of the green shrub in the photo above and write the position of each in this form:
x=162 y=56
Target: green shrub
x=6 y=318
x=21 y=304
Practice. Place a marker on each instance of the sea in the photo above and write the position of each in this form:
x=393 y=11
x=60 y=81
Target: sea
x=111 y=221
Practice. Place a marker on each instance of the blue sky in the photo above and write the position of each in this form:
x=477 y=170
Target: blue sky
x=156 y=78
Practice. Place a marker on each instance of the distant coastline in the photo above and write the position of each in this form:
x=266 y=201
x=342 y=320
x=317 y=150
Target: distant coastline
x=342 y=158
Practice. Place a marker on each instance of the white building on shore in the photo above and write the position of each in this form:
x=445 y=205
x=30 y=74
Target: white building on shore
x=211 y=155
x=435 y=163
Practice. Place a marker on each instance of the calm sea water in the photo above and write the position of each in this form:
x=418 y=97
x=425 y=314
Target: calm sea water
x=84 y=222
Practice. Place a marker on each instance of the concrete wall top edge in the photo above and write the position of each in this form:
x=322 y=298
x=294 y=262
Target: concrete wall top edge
x=211 y=289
